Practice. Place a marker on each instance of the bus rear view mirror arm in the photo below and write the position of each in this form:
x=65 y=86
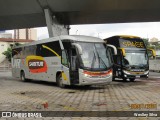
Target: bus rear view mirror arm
x=78 y=47
x=114 y=48
x=153 y=52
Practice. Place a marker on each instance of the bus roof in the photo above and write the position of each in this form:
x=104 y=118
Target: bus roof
x=125 y=36
x=128 y=36
x=74 y=38
x=82 y=38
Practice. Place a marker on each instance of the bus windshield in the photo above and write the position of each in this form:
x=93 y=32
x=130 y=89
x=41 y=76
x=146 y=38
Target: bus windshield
x=94 y=56
x=135 y=58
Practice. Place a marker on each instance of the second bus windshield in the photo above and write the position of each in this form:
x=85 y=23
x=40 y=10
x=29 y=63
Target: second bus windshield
x=94 y=56
x=136 y=57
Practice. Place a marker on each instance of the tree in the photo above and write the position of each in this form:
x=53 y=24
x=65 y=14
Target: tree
x=146 y=42
x=8 y=53
x=151 y=45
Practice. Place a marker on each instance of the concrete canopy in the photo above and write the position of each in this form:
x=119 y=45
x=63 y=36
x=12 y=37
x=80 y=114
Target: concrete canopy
x=30 y=13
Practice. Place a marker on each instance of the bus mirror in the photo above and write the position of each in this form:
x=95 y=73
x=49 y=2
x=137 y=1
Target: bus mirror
x=64 y=58
x=151 y=53
x=78 y=47
x=123 y=51
x=113 y=48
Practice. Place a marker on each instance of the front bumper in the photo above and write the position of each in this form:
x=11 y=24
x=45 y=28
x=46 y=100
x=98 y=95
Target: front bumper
x=135 y=76
x=84 y=80
x=130 y=74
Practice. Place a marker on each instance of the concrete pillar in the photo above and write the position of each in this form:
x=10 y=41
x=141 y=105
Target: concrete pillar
x=54 y=27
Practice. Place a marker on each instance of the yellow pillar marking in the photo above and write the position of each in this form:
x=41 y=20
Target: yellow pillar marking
x=70 y=108
x=123 y=51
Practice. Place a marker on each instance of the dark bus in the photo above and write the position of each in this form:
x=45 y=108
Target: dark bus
x=132 y=60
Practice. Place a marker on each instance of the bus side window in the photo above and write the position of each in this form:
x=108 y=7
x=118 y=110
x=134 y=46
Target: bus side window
x=117 y=59
x=111 y=57
x=38 y=50
x=64 y=58
x=110 y=54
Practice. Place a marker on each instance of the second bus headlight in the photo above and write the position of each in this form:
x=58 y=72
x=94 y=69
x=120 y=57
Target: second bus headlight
x=126 y=72
x=146 y=72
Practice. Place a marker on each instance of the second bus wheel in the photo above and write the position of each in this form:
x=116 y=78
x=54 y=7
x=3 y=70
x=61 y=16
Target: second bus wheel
x=125 y=79
x=113 y=78
x=132 y=79
x=59 y=80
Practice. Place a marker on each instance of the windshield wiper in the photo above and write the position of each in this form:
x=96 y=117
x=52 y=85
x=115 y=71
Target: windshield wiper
x=143 y=65
x=102 y=61
x=93 y=60
x=137 y=66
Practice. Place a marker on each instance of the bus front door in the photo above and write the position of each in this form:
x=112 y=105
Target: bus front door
x=74 y=74
x=117 y=67
x=65 y=68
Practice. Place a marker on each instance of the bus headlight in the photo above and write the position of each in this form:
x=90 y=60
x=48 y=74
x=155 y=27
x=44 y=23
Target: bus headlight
x=86 y=75
x=146 y=72
x=126 y=72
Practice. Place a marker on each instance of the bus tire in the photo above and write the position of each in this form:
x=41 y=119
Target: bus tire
x=132 y=79
x=113 y=78
x=23 y=78
x=125 y=79
x=59 y=80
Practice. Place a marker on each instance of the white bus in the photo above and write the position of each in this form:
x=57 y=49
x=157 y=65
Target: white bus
x=66 y=60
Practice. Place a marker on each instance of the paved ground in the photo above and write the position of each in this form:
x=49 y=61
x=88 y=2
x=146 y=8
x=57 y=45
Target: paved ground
x=141 y=95
x=155 y=75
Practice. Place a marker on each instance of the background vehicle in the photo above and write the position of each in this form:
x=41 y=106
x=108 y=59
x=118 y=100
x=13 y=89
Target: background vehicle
x=67 y=60
x=131 y=61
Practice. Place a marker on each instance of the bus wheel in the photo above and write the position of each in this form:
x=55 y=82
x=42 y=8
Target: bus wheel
x=23 y=76
x=113 y=78
x=60 y=81
x=125 y=79
x=87 y=86
x=132 y=79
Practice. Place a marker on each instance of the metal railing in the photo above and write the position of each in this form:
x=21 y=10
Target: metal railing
x=5 y=67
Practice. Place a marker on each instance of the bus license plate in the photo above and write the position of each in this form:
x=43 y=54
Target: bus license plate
x=137 y=76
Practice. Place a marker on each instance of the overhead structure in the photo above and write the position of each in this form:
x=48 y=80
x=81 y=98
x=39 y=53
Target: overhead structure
x=31 y=13
x=54 y=27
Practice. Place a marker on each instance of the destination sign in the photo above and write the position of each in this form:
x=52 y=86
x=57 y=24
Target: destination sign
x=132 y=43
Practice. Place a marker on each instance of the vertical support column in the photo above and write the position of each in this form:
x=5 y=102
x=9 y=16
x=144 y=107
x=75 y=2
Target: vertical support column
x=27 y=33
x=18 y=34
x=49 y=22
x=54 y=27
x=15 y=33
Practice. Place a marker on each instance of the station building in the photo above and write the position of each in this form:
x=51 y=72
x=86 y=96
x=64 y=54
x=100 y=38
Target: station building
x=19 y=36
